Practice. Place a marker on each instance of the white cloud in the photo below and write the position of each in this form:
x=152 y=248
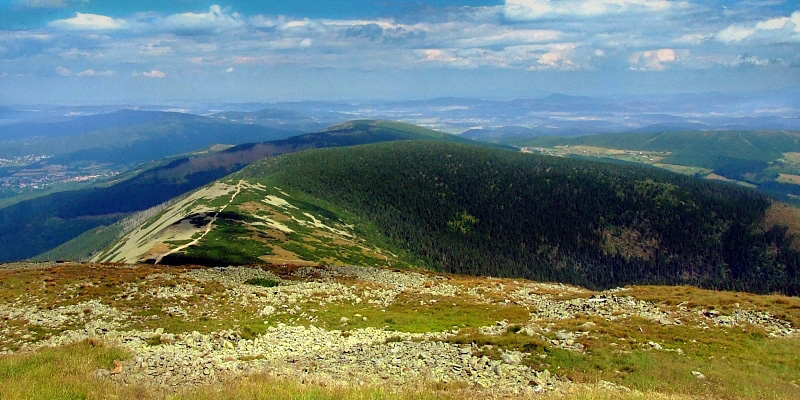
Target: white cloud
x=230 y=70
x=61 y=71
x=438 y=55
x=151 y=74
x=523 y=10
x=552 y=56
x=773 y=30
x=550 y=35
x=155 y=48
x=556 y=60
x=215 y=20
x=4 y=75
x=89 y=22
x=24 y=35
x=510 y=37
x=743 y=60
x=656 y=60
x=735 y=33
x=694 y=38
x=74 y=53
x=48 y=3
x=558 y=57
x=91 y=72
x=244 y=59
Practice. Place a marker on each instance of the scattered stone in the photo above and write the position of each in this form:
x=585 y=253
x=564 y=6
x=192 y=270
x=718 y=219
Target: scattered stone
x=512 y=357
x=698 y=375
x=655 y=346
x=117 y=367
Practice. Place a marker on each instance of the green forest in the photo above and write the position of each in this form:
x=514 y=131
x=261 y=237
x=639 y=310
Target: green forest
x=475 y=210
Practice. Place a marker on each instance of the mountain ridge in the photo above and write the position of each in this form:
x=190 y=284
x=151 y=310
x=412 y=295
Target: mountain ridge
x=467 y=209
x=103 y=206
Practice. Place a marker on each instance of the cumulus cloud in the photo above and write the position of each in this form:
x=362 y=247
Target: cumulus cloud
x=151 y=74
x=558 y=59
x=89 y=22
x=216 y=19
x=91 y=72
x=523 y=10
x=535 y=57
x=62 y=71
x=694 y=38
x=438 y=55
x=544 y=35
x=655 y=60
x=230 y=70
x=773 y=30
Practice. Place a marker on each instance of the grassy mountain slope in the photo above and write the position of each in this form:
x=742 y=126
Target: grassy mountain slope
x=37 y=226
x=331 y=332
x=475 y=210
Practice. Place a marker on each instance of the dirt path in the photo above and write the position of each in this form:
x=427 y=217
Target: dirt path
x=207 y=229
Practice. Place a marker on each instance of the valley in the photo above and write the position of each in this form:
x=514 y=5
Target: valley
x=763 y=160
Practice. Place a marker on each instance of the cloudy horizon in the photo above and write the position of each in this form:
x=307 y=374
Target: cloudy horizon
x=101 y=51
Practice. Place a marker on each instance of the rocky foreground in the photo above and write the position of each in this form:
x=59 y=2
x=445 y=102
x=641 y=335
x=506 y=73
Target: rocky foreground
x=335 y=325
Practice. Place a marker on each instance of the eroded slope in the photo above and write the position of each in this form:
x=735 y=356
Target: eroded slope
x=244 y=222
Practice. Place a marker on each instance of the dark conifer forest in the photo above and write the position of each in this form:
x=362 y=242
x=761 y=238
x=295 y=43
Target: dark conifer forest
x=475 y=210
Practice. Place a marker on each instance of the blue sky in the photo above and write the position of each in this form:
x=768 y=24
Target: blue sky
x=105 y=51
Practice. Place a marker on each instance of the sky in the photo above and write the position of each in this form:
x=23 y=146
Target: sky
x=158 y=51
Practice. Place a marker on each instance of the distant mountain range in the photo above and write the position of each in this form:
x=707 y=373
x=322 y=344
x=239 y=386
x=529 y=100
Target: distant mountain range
x=555 y=114
x=655 y=123
x=126 y=137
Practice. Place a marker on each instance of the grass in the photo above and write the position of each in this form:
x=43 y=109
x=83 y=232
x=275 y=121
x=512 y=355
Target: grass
x=228 y=243
x=57 y=374
x=407 y=314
